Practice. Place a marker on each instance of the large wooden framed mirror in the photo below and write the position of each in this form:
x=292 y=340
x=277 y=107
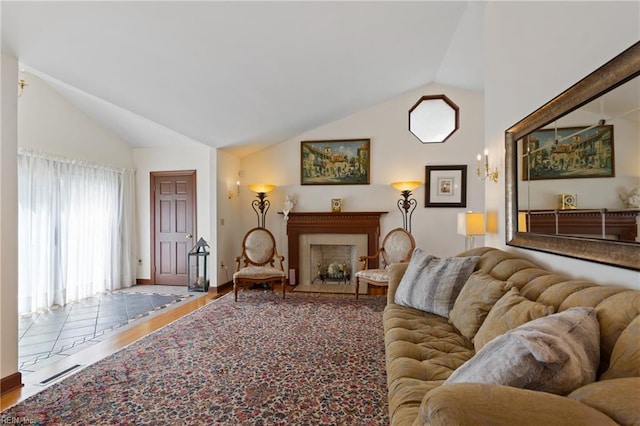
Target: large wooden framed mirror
x=610 y=96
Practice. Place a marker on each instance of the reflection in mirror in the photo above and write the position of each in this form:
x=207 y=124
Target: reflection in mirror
x=577 y=173
x=572 y=168
x=433 y=119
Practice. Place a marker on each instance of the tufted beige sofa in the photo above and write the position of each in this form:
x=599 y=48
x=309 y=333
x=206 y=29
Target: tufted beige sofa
x=423 y=349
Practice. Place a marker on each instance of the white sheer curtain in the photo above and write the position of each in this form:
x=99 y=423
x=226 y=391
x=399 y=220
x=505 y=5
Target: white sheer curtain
x=76 y=230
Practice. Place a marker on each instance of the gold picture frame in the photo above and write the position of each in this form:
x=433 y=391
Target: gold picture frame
x=335 y=162
x=568 y=153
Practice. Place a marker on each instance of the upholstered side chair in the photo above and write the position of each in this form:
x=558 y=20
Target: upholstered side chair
x=257 y=263
x=397 y=246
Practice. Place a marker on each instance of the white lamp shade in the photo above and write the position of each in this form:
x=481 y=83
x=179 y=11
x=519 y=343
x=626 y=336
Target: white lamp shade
x=471 y=223
x=462 y=224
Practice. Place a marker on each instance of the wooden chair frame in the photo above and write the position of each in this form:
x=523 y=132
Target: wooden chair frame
x=385 y=260
x=245 y=260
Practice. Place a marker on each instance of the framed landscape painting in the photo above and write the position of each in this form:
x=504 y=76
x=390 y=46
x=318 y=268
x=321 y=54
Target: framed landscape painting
x=568 y=153
x=335 y=162
x=446 y=186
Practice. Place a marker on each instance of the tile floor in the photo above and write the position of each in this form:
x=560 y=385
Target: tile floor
x=45 y=338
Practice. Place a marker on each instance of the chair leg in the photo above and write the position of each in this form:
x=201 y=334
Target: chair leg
x=357 y=286
x=235 y=291
x=284 y=285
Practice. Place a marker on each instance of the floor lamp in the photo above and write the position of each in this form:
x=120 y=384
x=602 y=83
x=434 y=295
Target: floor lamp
x=406 y=204
x=261 y=205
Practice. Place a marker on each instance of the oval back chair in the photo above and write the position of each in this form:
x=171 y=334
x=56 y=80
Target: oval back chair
x=257 y=262
x=397 y=246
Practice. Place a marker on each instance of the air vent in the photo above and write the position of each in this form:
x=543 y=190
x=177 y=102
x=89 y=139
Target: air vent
x=60 y=374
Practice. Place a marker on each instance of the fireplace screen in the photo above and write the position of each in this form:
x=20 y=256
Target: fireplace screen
x=333 y=263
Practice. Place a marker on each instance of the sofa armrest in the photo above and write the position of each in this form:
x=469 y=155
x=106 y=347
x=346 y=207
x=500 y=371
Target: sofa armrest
x=617 y=398
x=395 y=272
x=484 y=404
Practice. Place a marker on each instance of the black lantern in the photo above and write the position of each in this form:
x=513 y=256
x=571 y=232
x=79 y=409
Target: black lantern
x=197 y=264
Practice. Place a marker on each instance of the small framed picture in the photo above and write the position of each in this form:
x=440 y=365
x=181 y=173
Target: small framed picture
x=336 y=205
x=446 y=186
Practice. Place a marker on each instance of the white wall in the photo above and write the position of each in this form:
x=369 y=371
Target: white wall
x=8 y=219
x=534 y=51
x=395 y=155
x=229 y=227
x=50 y=123
x=196 y=157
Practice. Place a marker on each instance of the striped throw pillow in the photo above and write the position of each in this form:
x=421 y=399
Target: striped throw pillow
x=432 y=284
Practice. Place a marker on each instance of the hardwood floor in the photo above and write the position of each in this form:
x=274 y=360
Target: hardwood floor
x=33 y=382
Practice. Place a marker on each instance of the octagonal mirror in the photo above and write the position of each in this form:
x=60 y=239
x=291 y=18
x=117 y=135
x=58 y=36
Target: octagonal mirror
x=433 y=119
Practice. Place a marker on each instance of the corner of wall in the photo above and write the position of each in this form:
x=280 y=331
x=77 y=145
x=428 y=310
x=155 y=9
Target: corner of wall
x=8 y=221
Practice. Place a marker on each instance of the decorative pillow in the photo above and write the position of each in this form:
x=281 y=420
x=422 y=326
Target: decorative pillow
x=419 y=260
x=432 y=284
x=508 y=313
x=474 y=302
x=555 y=354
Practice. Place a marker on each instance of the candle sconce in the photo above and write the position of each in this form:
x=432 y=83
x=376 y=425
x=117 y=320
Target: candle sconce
x=230 y=192
x=486 y=173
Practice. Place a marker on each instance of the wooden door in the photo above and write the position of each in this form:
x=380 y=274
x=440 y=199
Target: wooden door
x=173 y=225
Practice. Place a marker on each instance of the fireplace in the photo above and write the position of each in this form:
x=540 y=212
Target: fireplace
x=333 y=263
x=359 y=229
x=330 y=258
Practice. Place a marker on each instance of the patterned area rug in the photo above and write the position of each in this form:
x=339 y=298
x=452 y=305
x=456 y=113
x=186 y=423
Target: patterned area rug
x=312 y=359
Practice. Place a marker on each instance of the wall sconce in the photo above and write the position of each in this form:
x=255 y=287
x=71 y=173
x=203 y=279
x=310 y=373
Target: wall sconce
x=230 y=193
x=406 y=205
x=261 y=204
x=487 y=174
x=21 y=86
x=471 y=224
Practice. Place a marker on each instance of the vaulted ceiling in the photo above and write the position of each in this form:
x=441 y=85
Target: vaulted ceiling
x=240 y=75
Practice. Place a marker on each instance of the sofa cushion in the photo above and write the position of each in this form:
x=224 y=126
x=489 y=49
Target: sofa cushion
x=432 y=284
x=617 y=398
x=478 y=295
x=625 y=358
x=509 y=312
x=421 y=350
x=483 y=404
x=556 y=354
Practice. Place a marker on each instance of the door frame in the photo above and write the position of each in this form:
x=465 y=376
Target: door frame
x=152 y=219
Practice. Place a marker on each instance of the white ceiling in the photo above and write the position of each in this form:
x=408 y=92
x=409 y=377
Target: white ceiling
x=240 y=75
